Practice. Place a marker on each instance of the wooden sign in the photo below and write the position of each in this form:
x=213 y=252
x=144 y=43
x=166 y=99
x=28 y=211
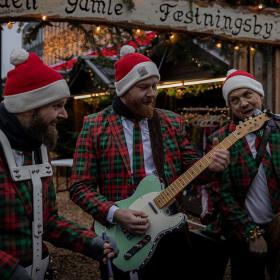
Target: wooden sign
x=199 y=17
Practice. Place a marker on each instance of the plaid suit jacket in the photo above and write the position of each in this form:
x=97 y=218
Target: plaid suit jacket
x=236 y=181
x=16 y=215
x=101 y=173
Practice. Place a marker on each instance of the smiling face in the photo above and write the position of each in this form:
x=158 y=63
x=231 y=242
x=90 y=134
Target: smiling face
x=141 y=98
x=42 y=123
x=243 y=102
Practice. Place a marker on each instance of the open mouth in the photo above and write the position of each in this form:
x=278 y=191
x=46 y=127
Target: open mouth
x=53 y=124
x=249 y=112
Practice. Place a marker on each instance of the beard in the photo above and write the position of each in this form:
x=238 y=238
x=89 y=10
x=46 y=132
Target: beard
x=42 y=131
x=143 y=110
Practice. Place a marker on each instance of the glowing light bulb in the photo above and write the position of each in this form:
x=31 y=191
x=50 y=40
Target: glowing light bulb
x=218 y=45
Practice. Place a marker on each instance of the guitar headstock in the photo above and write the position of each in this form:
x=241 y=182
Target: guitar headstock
x=250 y=125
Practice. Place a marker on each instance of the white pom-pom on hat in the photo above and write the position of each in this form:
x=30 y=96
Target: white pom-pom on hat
x=231 y=71
x=126 y=49
x=18 y=56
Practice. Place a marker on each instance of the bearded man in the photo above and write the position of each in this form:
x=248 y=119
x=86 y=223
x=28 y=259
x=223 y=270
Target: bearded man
x=34 y=99
x=109 y=163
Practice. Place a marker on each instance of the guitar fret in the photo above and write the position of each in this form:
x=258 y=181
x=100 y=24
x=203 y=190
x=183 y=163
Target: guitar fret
x=179 y=182
x=186 y=178
x=227 y=142
x=207 y=160
x=172 y=189
x=221 y=146
x=166 y=192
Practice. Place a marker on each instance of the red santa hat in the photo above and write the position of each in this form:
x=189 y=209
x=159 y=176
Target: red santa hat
x=131 y=68
x=240 y=79
x=32 y=84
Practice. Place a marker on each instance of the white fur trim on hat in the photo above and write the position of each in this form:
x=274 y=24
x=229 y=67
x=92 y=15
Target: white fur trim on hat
x=241 y=81
x=139 y=72
x=23 y=102
x=126 y=49
x=18 y=56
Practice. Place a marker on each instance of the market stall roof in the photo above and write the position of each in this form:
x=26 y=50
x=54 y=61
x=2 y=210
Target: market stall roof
x=91 y=74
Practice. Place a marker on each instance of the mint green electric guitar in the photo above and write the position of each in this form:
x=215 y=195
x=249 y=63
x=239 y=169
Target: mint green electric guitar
x=136 y=250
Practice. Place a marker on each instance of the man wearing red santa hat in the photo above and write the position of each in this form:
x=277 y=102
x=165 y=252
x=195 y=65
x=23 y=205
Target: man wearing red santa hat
x=249 y=196
x=34 y=99
x=122 y=144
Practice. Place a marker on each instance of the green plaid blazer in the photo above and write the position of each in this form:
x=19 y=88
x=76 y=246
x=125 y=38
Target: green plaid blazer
x=101 y=173
x=236 y=181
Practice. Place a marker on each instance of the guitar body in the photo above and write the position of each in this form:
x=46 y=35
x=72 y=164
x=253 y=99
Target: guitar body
x=136 y=250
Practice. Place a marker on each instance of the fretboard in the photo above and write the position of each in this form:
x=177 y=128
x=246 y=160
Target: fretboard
x=168 y=194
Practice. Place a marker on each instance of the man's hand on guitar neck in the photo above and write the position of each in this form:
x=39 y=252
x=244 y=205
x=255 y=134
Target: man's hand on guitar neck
x=220 y=158
x=134 y=221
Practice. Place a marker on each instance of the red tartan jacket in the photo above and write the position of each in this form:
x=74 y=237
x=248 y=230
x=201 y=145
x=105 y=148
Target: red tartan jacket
x=16 y=217
x=101 y=173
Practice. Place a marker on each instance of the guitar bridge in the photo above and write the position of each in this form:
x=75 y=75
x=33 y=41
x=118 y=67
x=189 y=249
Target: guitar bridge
x=137 y=247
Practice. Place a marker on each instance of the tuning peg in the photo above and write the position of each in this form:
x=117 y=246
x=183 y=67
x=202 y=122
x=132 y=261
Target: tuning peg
x=240 y=122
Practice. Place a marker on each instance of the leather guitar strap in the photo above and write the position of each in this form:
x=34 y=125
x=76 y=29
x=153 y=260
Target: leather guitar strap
x=262 y=148
x=157 y=145
x=158 y=157
x=269 y=126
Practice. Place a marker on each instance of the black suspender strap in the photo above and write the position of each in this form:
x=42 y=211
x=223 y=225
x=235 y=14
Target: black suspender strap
x=263 y=143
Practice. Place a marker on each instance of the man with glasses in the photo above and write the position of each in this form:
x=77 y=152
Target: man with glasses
x=250 y=191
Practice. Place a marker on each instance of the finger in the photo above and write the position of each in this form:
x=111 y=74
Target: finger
x=140 y=214
x=111 y=255
x=141 y=221
x=221 y=156
x=107 y=246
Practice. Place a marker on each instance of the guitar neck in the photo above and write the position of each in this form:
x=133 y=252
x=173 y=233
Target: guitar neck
x=168 y=194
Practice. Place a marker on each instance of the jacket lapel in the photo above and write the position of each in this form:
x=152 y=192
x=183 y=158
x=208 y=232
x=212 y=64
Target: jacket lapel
x=118 y=134
x=244 y=151
x=274 y=145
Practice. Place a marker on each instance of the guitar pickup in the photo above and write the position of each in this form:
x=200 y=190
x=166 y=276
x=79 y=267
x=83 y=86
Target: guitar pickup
x=137 y=247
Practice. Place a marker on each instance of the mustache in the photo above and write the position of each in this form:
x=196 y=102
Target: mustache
x=149 y=99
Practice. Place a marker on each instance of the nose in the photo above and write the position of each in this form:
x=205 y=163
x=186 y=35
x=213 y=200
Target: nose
x=243 y=102
x=63 y=113
x=151 y=91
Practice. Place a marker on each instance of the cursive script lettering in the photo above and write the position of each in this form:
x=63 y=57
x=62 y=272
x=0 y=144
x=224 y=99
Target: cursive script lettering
x=94 y=6
x=226 y=23
x=18 y=4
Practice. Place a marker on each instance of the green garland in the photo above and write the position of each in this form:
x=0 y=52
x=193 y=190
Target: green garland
x=194 y=90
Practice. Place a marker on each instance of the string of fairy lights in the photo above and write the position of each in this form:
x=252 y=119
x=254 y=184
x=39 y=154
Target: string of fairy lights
x=58 y=42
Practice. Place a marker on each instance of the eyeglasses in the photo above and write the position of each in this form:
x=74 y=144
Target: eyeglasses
x=236 y=100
